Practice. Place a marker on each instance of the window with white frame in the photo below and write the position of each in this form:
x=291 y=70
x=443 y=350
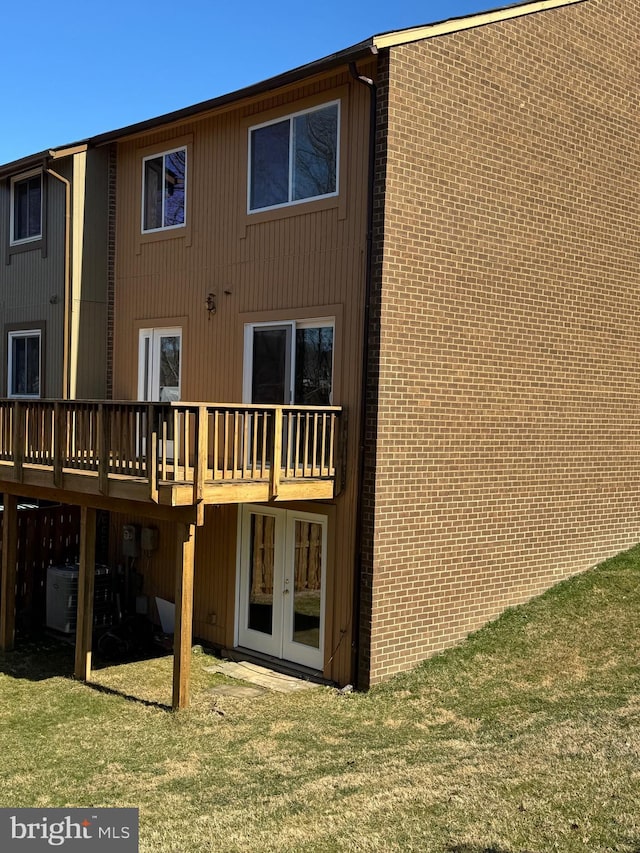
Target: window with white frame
x=294 y=159
x=289 y=362
x=164 y=190
x=24 y=363
x=26 y=208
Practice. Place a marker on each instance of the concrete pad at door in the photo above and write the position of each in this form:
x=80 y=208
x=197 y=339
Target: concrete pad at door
x=261 y=676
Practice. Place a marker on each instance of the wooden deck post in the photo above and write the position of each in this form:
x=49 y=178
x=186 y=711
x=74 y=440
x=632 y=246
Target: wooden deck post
x=200 y=460
x=86 y=582
x=183 y=628
x=9 y=560
x=103 y=450
x=276 y=461
x=152 y=454
x=19 y=432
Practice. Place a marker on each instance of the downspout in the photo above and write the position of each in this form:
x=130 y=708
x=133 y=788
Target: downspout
x=373 y=104
x=67 y=280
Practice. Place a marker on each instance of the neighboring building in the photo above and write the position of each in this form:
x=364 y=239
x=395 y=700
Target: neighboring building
x=478 y=277
x=54 y=273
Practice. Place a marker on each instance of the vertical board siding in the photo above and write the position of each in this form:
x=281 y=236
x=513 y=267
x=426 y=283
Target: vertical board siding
x=311 y=259
x=33 y=286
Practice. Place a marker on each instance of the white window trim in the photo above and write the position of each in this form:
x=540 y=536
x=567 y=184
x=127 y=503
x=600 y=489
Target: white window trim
x=315 y=323
x=155 y=156
x=290 y=117
x=23 y=333
x=18 y=179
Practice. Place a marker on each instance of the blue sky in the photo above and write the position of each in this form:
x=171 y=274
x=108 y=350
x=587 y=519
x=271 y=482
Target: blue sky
x=81 y=68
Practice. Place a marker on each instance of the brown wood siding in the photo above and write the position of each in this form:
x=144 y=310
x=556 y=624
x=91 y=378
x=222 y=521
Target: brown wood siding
x=303 y=263
x=92 y=336
x=214 y=583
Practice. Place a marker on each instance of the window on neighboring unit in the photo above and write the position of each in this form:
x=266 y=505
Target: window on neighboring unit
x=26 y=208
x=294 y=159
x=24 y=364
x=164 y=185
x=289 y=362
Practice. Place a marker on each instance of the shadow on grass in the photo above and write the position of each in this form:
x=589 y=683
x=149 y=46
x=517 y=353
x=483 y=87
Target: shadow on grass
x=492 y=848
x=38 y=659
x=481 y=848
x=111 y=691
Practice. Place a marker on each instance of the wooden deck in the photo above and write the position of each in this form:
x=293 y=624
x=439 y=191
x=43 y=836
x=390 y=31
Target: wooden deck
x=163 y=460
x=170 y=454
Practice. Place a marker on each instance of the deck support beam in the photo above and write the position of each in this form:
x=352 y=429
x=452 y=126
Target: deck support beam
x=86 y=583
x=183 y=628
x=9 y=561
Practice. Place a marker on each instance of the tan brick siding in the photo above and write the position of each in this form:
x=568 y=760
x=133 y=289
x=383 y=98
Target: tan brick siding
x=506 y=429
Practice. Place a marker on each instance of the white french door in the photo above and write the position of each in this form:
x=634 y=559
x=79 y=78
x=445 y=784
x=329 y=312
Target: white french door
x=159 y=370
x=282 y=580
x=159 y=365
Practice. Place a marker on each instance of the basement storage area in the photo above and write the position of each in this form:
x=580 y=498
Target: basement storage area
x=125 y=623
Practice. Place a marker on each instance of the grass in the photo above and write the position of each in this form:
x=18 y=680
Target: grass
x=524 y=738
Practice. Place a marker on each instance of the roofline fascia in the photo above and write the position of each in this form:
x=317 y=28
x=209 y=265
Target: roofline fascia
x=454 y=25
x=35 y=161
x=362 y=50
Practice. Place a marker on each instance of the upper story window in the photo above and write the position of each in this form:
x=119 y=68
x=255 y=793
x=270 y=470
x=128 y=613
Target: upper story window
x=164 y=187
x=294 y=159
x=26 y=208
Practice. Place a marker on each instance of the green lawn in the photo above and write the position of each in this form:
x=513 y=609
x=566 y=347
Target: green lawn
x=524 y=738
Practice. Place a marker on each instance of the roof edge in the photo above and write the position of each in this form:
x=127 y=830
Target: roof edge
x=361 y=50
x=479 y=19
x=33 y=161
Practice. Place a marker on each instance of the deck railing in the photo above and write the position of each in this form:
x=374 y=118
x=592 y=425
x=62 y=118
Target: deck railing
x=171 y=443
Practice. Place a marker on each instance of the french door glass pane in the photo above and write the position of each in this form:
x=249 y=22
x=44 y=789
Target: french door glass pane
x=146 y=369
x=261 y=566
x=307 y=571
x=169 y=368
x=314 y=366
x=271 y=360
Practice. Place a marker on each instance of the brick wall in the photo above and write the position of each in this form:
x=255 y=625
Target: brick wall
x=506 y=323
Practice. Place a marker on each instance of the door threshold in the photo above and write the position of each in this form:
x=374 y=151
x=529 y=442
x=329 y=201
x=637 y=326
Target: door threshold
x=284 y=667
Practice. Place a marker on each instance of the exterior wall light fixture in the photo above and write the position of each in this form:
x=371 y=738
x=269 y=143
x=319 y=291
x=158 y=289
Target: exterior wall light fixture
x=210 y=303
